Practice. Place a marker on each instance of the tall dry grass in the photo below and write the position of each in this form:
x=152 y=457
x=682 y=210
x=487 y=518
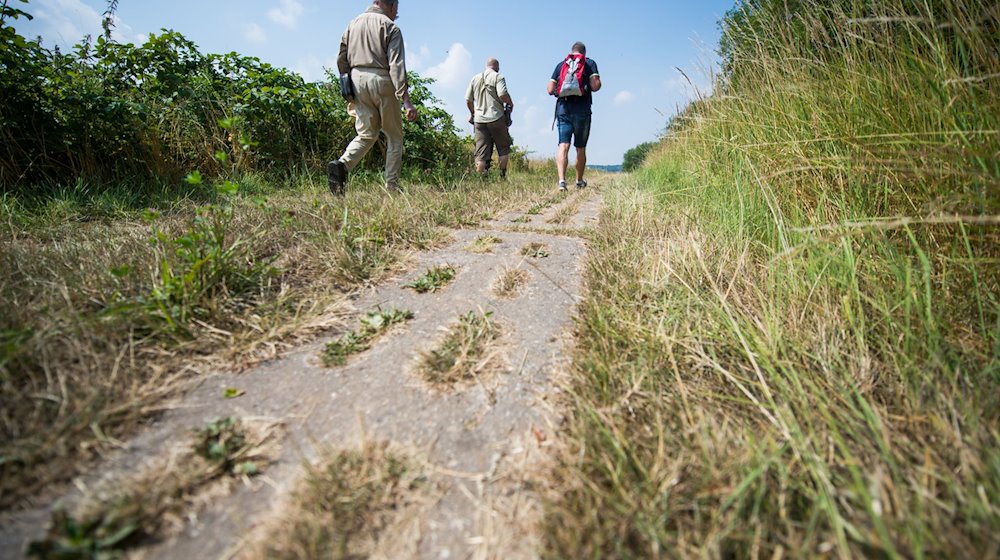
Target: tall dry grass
x=791 y=346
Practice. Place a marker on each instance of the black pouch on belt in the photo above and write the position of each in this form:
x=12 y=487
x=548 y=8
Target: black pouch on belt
x=346 y=87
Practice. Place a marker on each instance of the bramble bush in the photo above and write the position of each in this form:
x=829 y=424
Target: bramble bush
x=107 y=112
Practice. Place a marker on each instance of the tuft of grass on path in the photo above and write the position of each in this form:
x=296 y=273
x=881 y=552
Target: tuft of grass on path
x=346 y=505
x=510 y=282
x=483 y=244
x=136 y=511
x=373 y=325
x=464 y=351
x=535 y=250
x=433 y=280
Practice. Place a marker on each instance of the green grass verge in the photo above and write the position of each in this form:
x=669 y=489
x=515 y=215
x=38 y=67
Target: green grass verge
x=791 y=341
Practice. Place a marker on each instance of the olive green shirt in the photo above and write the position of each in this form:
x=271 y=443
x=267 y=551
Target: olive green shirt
x=373 y=41
x=485 y=91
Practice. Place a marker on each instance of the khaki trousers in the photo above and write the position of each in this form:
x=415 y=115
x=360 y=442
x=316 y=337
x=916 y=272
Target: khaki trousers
x=378 y=110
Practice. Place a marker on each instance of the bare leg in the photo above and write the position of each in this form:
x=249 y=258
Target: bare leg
x=562 y=160
x=581 y=163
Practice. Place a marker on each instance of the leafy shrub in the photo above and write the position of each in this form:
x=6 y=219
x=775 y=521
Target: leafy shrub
x=635 y=156
x=109 y=111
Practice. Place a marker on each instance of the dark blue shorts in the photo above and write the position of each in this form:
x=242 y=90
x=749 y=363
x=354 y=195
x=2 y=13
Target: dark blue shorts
x=575 y=126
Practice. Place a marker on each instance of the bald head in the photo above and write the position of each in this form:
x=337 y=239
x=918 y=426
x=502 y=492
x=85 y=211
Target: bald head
x=493 y=63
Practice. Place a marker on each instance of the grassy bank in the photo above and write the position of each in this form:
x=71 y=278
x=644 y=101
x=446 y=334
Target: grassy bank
x=107 y=306
x=791 y=345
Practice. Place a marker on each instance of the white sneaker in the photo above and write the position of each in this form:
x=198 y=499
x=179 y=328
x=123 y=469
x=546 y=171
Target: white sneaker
x=562 y=185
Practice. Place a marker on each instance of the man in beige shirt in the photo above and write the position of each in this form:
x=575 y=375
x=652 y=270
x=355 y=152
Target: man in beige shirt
x=371 y=51
x=485 y=97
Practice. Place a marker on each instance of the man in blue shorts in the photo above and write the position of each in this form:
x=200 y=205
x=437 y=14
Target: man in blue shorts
x=573 y=81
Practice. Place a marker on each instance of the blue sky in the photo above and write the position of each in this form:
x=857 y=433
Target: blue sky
x=636 y=44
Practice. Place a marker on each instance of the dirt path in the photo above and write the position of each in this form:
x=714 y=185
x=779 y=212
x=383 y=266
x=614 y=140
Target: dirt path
x=479 y=441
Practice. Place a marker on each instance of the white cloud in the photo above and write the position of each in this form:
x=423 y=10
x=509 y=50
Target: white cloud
x=623 y=97
x=66 y=22
x=455 y=70
x=415 y=60
x=287 y=14
x=254 y=33
x=311 y=68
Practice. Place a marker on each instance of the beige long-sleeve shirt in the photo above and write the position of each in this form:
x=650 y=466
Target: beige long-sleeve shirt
x=485 y=92
x=372 y=40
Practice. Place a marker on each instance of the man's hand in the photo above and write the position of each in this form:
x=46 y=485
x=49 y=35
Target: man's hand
x=411 y=111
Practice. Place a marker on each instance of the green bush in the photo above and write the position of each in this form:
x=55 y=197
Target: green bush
x=106 y=112
x=637 y=155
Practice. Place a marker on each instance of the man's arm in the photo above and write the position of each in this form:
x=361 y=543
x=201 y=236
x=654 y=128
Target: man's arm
x=554 y=81
x=503 y=94
x=595 y=76
x=595 y=82
x=343 y=65
x=472 y=110
x=397 y=63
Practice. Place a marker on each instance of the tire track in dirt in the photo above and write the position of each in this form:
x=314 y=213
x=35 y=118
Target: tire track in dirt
x=480 y=441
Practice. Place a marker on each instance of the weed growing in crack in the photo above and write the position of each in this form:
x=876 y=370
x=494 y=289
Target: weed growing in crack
x=373 y=324
x=138 y=510
x=345 y=504
x=483 y=244
x=510 y=282
x=461 y=354
x=433 y=280
x=521 y=220
x=535 y=250
x=223 y=441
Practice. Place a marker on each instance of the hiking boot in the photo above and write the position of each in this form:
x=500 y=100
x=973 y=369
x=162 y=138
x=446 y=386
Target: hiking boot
x=562 y=185
x=581 y=184
x=503 y=174
x=336 y=176
x=393 y=188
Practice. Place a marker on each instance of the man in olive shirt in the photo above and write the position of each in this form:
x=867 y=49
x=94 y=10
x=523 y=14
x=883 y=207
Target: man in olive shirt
x=485 y=97
x=371 y=50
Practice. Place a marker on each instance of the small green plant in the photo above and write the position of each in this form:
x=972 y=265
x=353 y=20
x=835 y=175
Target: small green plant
x=99 y=537
x=373 y=324
x=521 y=220
x=537 y=209
x=483 y=244
x=221 y=441
x=200 y=265
x=460 y=355
x=535 y=250
x=137 y=509
x=433 y=280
